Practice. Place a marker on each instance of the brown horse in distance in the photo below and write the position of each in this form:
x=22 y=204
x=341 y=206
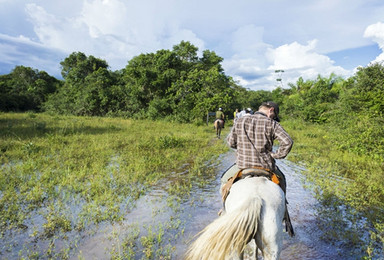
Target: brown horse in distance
x=219 y=124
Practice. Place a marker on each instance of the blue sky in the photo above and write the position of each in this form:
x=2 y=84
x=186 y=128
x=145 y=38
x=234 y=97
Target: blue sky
x=255 y=37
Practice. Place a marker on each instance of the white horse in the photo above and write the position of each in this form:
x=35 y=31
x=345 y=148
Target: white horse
x=254 y=209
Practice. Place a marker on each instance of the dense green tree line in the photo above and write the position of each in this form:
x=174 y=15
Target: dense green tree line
x=354 y=106
x=178 y=85
x=174 y=84
x=327 y=99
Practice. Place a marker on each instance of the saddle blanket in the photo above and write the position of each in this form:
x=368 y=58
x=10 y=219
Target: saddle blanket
x=234 y=173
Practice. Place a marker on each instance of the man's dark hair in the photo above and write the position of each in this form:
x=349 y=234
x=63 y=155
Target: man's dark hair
x=275 y=106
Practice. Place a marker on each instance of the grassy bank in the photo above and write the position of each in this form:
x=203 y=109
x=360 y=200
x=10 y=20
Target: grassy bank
x=62 y=175
x=349 y=185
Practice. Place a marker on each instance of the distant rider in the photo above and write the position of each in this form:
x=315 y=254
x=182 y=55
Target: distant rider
x=220 y=115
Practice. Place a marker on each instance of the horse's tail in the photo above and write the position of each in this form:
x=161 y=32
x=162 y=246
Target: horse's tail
x=228 y=234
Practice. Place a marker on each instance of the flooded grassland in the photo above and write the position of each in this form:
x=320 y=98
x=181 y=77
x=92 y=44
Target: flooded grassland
x=65 y=180
x=102 y=188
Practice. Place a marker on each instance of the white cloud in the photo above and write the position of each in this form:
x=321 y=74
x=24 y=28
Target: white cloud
x=111 y=30
x=295 y=56
x=255 y=66
x=376 y=33
x=105 y=17
x=66 y=34
x=248 y=64
x=254 y=37
x=304 y=60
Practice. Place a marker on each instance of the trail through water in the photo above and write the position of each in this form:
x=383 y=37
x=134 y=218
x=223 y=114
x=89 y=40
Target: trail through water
x=193 y=214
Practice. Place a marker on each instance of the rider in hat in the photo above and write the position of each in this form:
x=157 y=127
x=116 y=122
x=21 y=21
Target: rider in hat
x=253 y=138
x=220 y=115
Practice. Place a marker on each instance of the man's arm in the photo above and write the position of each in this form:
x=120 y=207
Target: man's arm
x=285 y=141
x=232 y=138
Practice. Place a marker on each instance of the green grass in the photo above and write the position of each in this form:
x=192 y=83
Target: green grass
x=348 y=183
x=64 y=174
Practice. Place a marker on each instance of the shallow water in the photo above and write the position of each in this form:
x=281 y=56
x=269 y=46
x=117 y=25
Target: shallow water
x=180 y=220
x=305 y=245
x=202 y=207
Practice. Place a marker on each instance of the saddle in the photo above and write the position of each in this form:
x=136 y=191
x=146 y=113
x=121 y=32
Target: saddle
x=256 y=172
x=249 y=172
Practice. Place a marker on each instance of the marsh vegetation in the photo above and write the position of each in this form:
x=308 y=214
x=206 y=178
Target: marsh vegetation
x=347 y=184
x=64 y=177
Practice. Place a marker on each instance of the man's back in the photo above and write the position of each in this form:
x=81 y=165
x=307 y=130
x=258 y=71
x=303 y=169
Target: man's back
x=253 y=138
x=219 y=115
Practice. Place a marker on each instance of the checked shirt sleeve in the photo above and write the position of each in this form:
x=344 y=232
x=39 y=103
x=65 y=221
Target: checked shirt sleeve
x=285 y=141
x=232 y=138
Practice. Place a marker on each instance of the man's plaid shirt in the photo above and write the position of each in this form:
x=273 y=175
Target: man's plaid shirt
x=253 y=136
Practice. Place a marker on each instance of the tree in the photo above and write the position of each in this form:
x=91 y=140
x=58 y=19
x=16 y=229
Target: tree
x=97 y=95
x=186 y=52
x=210 y=60
x=365 y=91
x=25 y=89
x=86 y=87
x=200 y=92
x=148 y=77
x=175 y=83
x=313 y=100
x=77 y=66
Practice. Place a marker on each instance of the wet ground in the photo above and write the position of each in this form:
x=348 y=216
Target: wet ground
x=200 y=209
x=305 y=245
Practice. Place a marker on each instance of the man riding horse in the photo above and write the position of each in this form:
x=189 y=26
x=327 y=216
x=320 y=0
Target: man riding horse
x=220 y=116
x=253 y=138
x=254 y=207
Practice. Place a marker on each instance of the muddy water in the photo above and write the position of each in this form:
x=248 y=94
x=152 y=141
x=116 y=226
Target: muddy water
x=194 y=213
